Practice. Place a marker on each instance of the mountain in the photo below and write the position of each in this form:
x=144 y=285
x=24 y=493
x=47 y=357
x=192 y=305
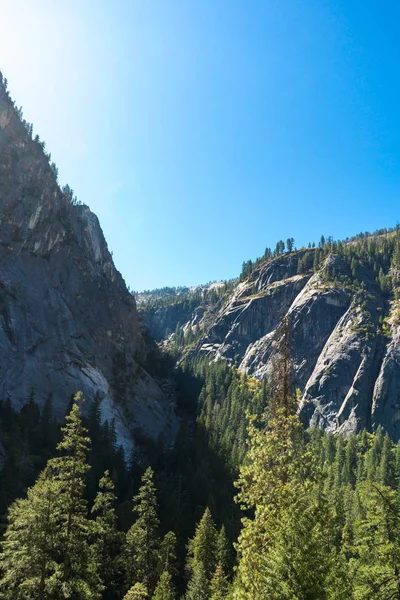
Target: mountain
x=342 y=302
x=67 y=320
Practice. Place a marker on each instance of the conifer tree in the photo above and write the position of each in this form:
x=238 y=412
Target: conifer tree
x=377 y=544
x=107 y=540
x=46 y=552
x=202 y=558
x=137 y=592
x=350 y=461
x=397 y=465
x=30 y=545
x=284 y=550
x=386 y=473
x=164 y=589
x=77 y=576
x=142 y=542
x=219 y=584
x=199 y=585
x=373 y=457
x=167 y=555
x=224 y=550
x=202 y=548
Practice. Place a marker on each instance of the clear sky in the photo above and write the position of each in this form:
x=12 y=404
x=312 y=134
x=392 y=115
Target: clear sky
x=202 y=131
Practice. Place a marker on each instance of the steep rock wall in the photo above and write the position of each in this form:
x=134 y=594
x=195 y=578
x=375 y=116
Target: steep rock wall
x=67 y=321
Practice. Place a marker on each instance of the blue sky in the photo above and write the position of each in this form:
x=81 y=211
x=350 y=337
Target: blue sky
x=202 y=131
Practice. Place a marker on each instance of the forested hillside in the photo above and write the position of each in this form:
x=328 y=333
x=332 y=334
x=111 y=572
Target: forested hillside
x=312 y=515
x=342 y=300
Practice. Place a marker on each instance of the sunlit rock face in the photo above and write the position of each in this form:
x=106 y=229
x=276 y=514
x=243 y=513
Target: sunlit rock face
x=347 y=371
x=67 y=320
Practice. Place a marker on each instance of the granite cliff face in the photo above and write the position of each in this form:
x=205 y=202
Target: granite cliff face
x=345 y=337
x=67 y=320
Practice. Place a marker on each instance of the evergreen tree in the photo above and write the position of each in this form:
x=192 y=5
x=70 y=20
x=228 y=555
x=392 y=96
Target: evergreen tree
x=202 y=548
x=137 y=592
x=142 y=542
x=30 y=546
x=77 y=576
x=219 y=584
x=386 y=470
x=107 y=540
x=350 y=461
x=377 y=544
x=164 y=589
x=284 y=551
x=167 y=560
x=54 y=561
x=224 y=554
x=199 y=585
x=290 y=244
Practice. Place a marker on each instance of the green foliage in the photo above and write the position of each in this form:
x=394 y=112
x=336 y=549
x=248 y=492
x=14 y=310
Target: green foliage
x=224 y=551
x=202 y=548
x=366 y=254
x=219 y=584
x=164 y=589
x=29 y=549
x=142 y=541
x=376 y=553
x=320 y=513
x=54 y=560
x=107 y=541
x=137 y=592
x=168 y=555
x=284 y=550
x=326 y=519
x=225 y=399
x=199 y=585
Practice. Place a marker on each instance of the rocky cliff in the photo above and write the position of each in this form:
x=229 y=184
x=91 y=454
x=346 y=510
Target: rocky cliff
x=345 y=330
x=67 y=321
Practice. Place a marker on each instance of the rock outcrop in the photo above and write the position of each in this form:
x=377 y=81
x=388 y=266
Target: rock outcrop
x=386 y=396
x=67 y=320
x=345 y=366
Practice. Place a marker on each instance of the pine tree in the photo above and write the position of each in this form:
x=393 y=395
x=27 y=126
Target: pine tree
x=77 y=576
x=30 y=546
x=224 y=551
x=46 y=552
x=377 y=543
x=142 y=542
x=219 y=584
x=137 y=592
x=199 y=585
x=107 y=540
x=164 y=589
x=284 y=551
x=350 y=461
x=290 y=244
x=167 y=555
x=397 y=465
x=386 y=471
x=372 y=459
x=202 y=548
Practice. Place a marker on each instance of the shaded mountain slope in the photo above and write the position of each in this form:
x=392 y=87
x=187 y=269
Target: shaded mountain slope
x=67 y=320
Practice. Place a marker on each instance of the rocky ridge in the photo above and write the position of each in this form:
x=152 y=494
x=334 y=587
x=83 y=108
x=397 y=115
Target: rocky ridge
x=345 y=337
x=67 y=320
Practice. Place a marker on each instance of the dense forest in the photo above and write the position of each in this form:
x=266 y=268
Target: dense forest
x=248 y=504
